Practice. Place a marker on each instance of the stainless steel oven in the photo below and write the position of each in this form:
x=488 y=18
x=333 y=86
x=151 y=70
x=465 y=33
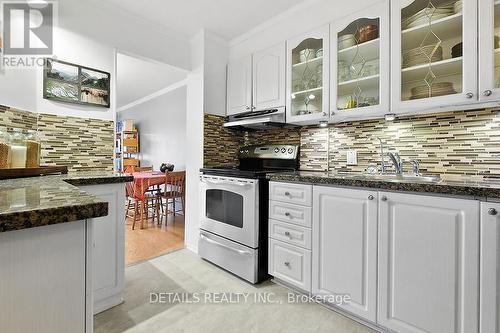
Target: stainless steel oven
x=230 y=208
x=234 y=210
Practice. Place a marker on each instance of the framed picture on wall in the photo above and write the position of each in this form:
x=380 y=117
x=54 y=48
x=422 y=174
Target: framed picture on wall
x=70 y=83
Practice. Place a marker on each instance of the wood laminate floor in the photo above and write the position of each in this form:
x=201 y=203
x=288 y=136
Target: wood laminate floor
x=153 y=240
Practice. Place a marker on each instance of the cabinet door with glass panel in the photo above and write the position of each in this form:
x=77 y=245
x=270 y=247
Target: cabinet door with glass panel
x=360 y=64
x=434 y=53
x=489 y=50
x=308 y=77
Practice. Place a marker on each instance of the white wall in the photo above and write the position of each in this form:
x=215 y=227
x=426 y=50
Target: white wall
x=162 y=127
x=215 y=57
x=296 y=21
x=87 y=33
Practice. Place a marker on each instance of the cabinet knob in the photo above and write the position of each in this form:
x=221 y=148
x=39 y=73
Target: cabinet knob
x=370 y=197
x=488 y=92
x=492 y=211
x=247 y=107
x=287 y=194
x=287 y=233
x=384 y=198
x=287 y=214
x=254 y=107
x=469 y=95
x=324 y=114
x=286 y=263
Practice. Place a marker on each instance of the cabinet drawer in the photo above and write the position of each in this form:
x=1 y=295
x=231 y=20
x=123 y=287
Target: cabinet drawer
x=293 y=193
x=286 y=212
x=290 y=264
x=291 y=234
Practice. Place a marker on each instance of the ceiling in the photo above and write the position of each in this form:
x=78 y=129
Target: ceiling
x=226 y=18
x=138 y=78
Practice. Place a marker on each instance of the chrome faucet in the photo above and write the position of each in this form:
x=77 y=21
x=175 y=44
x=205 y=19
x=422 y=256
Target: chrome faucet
x=415 y=167
x=396 y=161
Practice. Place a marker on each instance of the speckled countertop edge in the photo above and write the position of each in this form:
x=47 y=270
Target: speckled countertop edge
x=62 y=200
x=474 y=189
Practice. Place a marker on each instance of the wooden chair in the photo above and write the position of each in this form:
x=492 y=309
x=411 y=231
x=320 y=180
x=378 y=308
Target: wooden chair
x=141 y=208
x=175 y=188
x=131 y=202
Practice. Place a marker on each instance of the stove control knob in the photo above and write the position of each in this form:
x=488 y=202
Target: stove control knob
x=283 y=150
x=290 y=150
x=276 y=150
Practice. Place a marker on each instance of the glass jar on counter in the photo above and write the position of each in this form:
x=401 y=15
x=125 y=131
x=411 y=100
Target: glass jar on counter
x=5 y=153
x=33 y=150
x=18 y=149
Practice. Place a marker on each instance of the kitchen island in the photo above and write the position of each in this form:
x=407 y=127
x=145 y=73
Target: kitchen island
x=61 y=250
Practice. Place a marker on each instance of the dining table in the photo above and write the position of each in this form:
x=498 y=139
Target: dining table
x=142 y=182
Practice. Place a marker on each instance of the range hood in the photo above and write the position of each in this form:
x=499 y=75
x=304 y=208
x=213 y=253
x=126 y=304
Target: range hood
x=263 y=119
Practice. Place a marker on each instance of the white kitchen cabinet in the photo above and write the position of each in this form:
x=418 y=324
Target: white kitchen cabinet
x=298 y=194
x=307 y=88
x=345 y=247
x=269 y=78
x=489 y=50
x=108 y=258
x=239 y=85
x=359 y=69
x=291 y=264
x=429 y=66
x=490 y=268
x=428 y=264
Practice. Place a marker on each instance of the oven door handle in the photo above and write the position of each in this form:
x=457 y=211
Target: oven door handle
x=224 y=183
x=205 y=238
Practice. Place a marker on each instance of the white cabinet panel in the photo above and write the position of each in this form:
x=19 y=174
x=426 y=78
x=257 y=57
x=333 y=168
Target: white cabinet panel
x=428 y=264
x=490 y=268
x=290 y=213
x=269 y=78
x=298 y=194
x=359 y=68
x=290 y=263
x=292 y=234
x=345 y=247
x=443 y=73
x=489 y=50
x=109 y=247
x=239 y=85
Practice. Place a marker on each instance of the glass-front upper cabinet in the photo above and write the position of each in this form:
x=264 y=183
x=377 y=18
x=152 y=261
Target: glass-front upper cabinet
x=434 y=55
x=360 y=64
x=308 y=77
x=489 y=50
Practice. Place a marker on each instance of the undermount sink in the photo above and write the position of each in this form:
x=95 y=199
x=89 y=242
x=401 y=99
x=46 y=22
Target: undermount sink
x=394 y=177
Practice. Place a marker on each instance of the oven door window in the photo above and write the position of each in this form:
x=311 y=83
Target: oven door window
x=225 y=207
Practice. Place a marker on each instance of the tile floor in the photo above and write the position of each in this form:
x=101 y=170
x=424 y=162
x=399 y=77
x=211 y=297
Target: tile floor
x=184 y=272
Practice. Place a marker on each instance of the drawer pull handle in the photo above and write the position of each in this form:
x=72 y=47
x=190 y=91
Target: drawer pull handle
x=286 y=263
x=287 y=194
x=287 y=214
x=287 y=233
x=384 y=198
x=492 y=211
x=371 y=197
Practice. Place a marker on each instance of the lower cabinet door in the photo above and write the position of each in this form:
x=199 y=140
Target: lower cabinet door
x=345 y=247
x=490 y=268
x=428 y=264
x=291 y=264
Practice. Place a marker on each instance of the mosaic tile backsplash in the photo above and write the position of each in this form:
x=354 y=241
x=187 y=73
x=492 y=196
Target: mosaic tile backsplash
x=82 y=144
x=454 y=143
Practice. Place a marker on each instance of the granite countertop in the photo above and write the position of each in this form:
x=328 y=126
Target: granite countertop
x=38 y=201
x=448 y=185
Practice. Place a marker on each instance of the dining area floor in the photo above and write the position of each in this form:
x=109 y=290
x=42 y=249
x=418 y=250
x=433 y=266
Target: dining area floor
x=154 y=240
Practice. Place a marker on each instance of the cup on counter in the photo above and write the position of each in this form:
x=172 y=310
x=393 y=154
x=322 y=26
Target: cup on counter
x=18 y=150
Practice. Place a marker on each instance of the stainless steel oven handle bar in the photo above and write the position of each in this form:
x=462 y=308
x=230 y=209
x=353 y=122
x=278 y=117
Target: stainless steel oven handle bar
x=205 y=238
x=224 y=183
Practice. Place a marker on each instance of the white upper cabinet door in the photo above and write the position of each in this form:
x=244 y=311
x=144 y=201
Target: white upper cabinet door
x=434 y=54
x=239 y=86
x=269 y=78
x=359 y=70
x=489 y=50
x=490 y=268
x=308 y=77
x=428 y=264
x=345 y=247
